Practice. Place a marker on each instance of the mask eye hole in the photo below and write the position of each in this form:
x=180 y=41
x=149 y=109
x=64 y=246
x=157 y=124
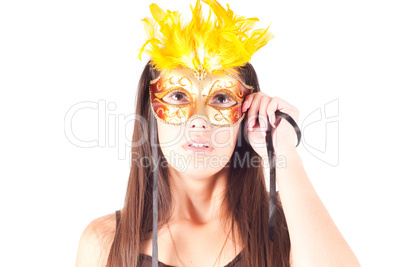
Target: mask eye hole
x=222 y=99
x=177 y=97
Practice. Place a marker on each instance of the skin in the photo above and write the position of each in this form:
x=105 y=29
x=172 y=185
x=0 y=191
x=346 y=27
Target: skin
x=197 y=189
x=200 y=215
x=199 y=185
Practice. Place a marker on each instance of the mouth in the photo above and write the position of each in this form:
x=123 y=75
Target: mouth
x=198 y=144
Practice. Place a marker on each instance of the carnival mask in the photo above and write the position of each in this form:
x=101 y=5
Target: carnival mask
x=180 y=94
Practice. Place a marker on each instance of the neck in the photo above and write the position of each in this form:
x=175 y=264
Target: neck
x=199 y=200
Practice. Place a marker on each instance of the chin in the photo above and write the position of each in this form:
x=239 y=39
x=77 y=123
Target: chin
x=196 y=171
x=196 y=164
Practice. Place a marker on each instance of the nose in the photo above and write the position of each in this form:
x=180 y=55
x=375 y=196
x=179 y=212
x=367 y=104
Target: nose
x=200 y=122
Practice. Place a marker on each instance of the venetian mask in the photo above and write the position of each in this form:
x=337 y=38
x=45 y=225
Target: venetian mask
x=180 y=94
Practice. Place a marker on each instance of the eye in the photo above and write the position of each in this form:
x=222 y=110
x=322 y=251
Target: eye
x=176 y=97
x=222 y=100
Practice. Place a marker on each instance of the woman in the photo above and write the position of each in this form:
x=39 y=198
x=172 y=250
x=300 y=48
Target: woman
x=202 y=95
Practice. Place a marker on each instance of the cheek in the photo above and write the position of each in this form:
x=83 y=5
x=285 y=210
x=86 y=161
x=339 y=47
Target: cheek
x=170 y=136
x=225 y=137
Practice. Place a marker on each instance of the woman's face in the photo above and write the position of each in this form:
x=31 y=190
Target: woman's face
x=197 y=162
x=191 y=143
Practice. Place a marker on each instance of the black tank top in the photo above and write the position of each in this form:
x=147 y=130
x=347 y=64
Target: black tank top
x=146 y=260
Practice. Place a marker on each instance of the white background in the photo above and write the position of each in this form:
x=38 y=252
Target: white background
x=55 y=55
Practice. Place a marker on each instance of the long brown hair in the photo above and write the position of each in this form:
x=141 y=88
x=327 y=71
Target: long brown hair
x=246 y=195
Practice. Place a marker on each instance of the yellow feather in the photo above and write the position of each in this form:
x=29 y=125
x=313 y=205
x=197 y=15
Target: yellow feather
x=222 y=41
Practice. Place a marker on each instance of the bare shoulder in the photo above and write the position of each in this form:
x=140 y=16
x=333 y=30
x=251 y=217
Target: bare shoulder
x=95 y=242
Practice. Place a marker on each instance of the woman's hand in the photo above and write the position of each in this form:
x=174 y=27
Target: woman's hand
x=263 y=107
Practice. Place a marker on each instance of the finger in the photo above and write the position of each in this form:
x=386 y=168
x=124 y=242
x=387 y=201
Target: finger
x=272 y=107
x=252 y=111
x=262 y=114
x=277 y=104
x=247 y=102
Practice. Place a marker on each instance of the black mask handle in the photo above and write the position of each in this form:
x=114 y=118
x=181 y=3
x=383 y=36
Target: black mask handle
x=154 y=143
x=272 y=170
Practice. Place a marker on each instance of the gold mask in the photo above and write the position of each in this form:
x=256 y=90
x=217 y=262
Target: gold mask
x=182 y=93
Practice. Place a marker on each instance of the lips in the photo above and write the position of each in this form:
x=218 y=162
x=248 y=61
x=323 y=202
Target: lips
x=194 y=144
